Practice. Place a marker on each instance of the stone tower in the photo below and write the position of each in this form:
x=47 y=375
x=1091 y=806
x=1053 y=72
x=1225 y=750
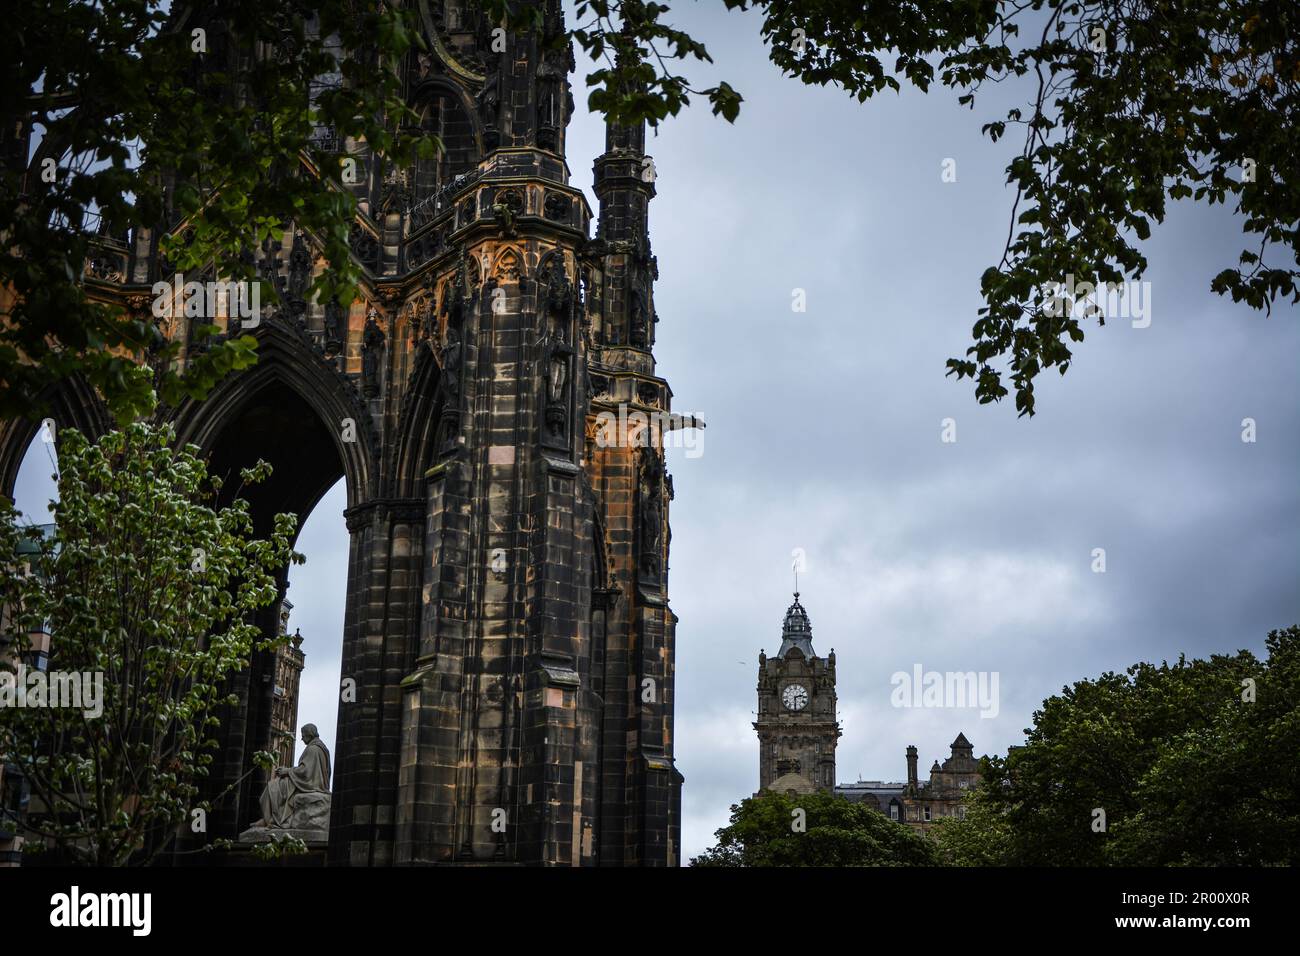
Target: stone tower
x=286 y=682
x=508 y=645
x=797 y=726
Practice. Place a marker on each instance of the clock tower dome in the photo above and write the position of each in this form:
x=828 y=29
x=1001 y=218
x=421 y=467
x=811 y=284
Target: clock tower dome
x=797 y=727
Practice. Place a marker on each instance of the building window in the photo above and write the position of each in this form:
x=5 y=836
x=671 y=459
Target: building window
x=926 y=814
x=961 y=813
x=893 y=811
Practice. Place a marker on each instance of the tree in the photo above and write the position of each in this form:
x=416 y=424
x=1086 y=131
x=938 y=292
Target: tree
x=1185 y=764
x=818 y=829
x=981 y=838
x=148 y=592
x=201 y=123
x=1128 y=105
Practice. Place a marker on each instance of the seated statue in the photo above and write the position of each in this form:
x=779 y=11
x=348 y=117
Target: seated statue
x=298 y=798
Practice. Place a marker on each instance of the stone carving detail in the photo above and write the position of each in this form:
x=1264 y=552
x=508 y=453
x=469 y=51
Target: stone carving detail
x=489 y=107
x=456 y=302
x=650 y=515
x=552 y=81
x=512 y=199
x=467 y=211
x=550 y=84
x=364 y=246
x=557 y=207
x=334 y=319
x=559 y=290
x=559 y=357
x=508 y=266
x=299 y=276
x=372 y=354
x=637 y=309
x=397 y=193
x=556 y=305
x=450 y=360
x=424 y=319
x=297 y=798
x=424 y=248
x=269 y=267
x=507 y=207
x=107 y=266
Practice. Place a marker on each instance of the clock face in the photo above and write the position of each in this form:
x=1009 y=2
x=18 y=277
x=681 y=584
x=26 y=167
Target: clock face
x=795 y=697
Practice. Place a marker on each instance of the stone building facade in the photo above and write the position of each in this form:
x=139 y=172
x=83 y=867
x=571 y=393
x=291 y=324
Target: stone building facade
x=921 y=804
x=508 y=647
x=798 y=733
x=797 y=726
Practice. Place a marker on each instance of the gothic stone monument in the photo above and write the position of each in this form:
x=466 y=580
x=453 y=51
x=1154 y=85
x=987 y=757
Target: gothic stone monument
x=507 y=600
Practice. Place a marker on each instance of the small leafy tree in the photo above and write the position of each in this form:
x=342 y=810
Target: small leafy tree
x=817 y=829
x=146 y=586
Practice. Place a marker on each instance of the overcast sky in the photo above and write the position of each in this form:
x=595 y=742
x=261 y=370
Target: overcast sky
x=824 y=433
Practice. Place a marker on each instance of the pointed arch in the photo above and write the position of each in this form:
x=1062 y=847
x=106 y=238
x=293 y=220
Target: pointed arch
x=417 y=427
x=508 y=265
x=287 y=359
x=72 y=403
x=446 y=111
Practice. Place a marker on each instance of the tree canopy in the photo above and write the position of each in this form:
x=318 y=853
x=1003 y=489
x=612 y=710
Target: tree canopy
x=816 y=829
x=1183 y=764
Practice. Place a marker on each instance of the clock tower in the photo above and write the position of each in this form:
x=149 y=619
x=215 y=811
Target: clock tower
x=797 y=727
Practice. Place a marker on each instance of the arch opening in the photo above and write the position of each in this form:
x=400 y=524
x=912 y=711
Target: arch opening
x=276 y=424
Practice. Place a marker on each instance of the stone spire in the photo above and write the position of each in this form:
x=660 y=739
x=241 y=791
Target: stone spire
x=624 y=184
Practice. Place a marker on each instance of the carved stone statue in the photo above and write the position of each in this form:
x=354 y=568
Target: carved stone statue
x=489 y=104
x=449 y=380
x=559 y=290
x=651 y=513
x=639 y=338
x=558 y=377
x=298 y=798
x=372 y=354
x=299 y=275
x=489 y=98
x=333 y=326
x=550 y=81
x=449 y=388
